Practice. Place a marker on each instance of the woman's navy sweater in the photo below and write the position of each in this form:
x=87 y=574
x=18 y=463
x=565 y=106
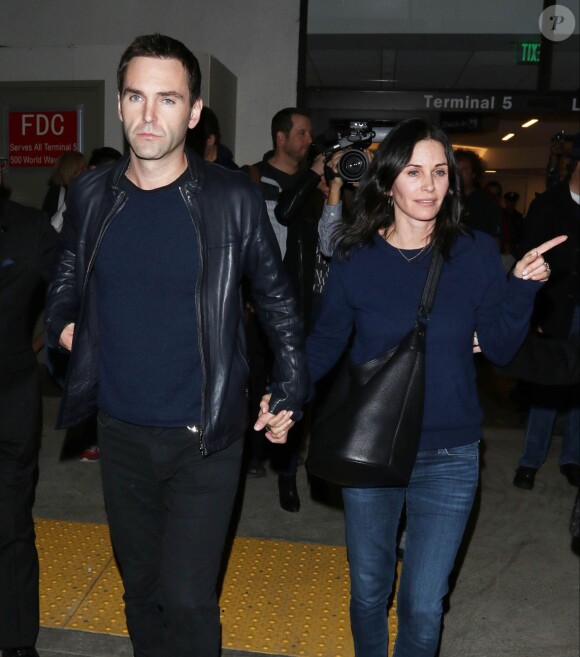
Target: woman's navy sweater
x=375 y=292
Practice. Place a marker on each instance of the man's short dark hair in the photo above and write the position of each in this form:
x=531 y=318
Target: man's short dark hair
x=162 y=47
x=474 y=159
x=282 y=122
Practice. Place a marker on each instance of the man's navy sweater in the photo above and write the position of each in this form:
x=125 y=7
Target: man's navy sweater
x=147 y=269
x=376 y=292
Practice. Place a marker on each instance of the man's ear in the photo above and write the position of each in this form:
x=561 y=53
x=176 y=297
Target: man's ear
x=120 y=114
x=280 y=138
x=195 y=113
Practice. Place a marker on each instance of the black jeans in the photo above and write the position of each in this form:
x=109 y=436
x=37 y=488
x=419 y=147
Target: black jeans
x=19 y=438
x=169 y=509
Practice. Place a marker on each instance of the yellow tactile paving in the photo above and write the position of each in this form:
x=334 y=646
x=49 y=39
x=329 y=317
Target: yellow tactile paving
x=102 y=610
x=277 y=597
x=72 y=558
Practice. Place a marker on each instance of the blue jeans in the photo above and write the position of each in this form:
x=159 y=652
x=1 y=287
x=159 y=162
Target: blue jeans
x=539 y=436
x=438 y=503
x=540 y=425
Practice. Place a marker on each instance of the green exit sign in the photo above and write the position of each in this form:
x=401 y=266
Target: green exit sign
x=528 y=52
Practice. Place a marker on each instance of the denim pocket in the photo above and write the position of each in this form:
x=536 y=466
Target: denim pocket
x=470 y=451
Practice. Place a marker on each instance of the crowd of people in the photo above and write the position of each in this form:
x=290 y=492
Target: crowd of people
x=253 y=283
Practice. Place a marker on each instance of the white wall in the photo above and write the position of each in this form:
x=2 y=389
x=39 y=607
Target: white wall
x=74 y=40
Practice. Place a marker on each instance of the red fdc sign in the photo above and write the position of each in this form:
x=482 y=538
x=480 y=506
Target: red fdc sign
x=37 y=138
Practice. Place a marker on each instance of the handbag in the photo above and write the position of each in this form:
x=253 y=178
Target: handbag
x=367 y=432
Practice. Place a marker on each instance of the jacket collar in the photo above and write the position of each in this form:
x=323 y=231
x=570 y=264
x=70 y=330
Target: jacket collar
x=194 y=162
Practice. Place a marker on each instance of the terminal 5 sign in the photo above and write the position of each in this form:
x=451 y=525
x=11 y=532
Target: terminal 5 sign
x=36 y=138
x=495 y=102
x=447 y=101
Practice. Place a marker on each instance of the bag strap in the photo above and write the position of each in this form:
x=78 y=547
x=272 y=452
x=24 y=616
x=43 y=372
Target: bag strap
x=431 y=285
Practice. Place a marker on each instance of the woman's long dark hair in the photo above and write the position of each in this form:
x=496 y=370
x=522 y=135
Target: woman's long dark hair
x=372 y=207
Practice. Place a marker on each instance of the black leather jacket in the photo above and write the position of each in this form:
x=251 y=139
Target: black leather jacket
x=235 y=240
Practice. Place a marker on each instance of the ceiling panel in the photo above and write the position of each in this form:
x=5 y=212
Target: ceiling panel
x=427 y=76
x=420 y=57
x=497 y=77
x=342 y=68
x=435 y=62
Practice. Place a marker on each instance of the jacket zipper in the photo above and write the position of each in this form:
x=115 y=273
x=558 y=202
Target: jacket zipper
x=202 y=446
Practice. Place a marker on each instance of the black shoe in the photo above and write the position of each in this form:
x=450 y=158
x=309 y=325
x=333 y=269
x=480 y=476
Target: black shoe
x=525 y=477
x=19 y=652
x=572 y=473
x=289 y=499
x=256 y=469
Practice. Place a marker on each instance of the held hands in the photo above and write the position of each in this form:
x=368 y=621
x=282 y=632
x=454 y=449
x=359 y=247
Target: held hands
x=533 y=267
x=277 y=426
x=66 y=337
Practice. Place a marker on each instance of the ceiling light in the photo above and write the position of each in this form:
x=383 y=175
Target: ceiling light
x=491 y=171
x=527 y=124
x=508 y=136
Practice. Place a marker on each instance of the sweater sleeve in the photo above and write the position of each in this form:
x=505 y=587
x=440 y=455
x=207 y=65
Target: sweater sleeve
x=329 y=338
x=504 y=312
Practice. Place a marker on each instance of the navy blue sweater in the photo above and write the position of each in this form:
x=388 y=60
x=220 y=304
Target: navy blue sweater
x=376 y=293
x=147 y=269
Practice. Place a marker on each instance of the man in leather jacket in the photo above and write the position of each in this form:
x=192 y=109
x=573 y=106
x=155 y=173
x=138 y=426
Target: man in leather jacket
x=147 y=294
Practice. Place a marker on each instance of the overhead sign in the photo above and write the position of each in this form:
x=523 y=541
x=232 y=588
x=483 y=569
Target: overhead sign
x=461 y=122
x=36 y=138
x=528 y=52
x=499 y=102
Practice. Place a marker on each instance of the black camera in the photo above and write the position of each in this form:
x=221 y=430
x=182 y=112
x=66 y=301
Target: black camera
x=353 y=162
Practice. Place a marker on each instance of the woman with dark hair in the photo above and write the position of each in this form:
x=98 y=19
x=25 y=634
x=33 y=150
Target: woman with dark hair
x=406 y=208
x=66 y=169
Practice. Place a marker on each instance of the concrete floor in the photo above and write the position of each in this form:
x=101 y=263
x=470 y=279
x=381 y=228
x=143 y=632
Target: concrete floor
x=517 y=590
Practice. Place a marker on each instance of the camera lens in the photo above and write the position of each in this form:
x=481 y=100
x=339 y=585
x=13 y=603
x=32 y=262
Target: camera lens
x=352 y=165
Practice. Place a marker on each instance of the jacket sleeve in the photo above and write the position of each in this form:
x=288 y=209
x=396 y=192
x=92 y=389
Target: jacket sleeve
x=278 y=313
x=61 y=305
x=46 y=249
x=328 y=226
x=291 y=200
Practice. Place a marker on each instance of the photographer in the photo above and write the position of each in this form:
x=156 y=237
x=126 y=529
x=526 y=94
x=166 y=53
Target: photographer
x=294 y=206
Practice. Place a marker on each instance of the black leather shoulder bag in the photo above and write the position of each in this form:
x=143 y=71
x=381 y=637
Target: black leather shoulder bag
x=367 y=431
